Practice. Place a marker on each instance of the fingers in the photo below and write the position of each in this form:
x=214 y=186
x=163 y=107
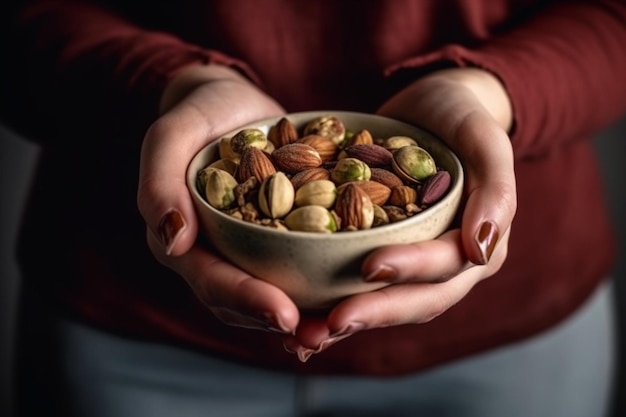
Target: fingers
x=397 y=304
x=171 y=142
x=431 y=261
x=234 y=296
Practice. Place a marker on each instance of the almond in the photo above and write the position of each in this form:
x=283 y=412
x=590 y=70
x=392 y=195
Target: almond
x=296 y=157
x=362 y=137
x=377 y=192
x=323 y=145
x=282 y=133
x=354 y=208
x=385 y=177
x=308 y=175
x=254 y=163
x=402 y=195
x=373 y=155
x=435 y=187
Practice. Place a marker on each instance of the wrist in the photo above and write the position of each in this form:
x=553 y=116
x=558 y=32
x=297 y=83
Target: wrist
x=190 y=78
x=486 y=87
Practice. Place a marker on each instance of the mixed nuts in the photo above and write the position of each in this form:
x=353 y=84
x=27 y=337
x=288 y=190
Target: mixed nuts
x=323 y=178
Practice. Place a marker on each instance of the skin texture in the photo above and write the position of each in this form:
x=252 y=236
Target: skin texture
x=467 y=107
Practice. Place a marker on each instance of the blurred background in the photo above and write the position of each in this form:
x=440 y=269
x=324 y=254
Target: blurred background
x=17 y=159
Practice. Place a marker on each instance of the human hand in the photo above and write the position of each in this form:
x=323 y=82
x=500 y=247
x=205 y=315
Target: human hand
x=198 y=106
x=470 y=110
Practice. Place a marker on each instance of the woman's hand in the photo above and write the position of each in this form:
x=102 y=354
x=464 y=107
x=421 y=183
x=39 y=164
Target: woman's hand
x=199 y=105
x=470 y=110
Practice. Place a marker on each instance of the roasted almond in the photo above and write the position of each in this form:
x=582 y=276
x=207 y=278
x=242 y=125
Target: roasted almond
x=307 y=175
x=385 y=177
x=362 y=137
x=377 y=192
x=354 y=208
x=282 y=133
x=435 y=187
x=254 y=163
x=373 y=155
x=402 y=195
x=323 y=145
x=296 y=157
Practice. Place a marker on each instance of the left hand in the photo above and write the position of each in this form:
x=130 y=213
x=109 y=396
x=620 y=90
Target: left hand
x=469 y=109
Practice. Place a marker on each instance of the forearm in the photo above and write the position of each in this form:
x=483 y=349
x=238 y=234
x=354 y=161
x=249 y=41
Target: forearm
x=562 y=70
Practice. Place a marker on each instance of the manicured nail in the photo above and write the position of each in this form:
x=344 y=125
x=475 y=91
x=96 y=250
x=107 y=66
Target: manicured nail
x=170 y=228
x=275 y=324
x=304 y=354
x=486 y=239
x=382 y=273
x=348 y=330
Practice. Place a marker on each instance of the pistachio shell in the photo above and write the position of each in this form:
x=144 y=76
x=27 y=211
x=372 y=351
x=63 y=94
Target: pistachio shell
x=219 y=187
x=311 y=219
x=245 y=138
x=319 y=193
x=413 y=163
x=330 y=126
x=393 y=143
x=350 y=169
x=276 y=195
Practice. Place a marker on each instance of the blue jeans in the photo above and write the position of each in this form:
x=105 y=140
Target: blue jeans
x=564 y=372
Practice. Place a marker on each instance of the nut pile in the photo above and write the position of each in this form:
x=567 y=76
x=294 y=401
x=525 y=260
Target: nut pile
x=324 y=178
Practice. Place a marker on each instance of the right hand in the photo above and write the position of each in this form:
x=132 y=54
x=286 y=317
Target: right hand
x=198 y=106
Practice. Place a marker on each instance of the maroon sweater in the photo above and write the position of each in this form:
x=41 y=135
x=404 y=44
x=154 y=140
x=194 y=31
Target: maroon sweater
x=89 y=78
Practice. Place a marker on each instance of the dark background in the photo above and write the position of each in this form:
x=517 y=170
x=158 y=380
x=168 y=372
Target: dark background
x=17 y=157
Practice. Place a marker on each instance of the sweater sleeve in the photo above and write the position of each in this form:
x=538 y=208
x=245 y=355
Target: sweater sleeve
x=69 y=52
x=563 y=68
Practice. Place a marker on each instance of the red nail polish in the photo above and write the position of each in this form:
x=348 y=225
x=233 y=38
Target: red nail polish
x=382 y=273
x=170 y=226
x=486 y=239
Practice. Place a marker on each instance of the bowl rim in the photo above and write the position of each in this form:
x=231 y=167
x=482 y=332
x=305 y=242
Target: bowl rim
x=456 y=186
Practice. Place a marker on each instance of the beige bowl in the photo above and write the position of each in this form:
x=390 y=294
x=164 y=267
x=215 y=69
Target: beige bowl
x=318 y=270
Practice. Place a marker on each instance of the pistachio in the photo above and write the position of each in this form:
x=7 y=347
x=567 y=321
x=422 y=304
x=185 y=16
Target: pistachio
x=319 y=193
x=276 y=195
x=219 y=187
x=393 y=143
x=330 y=126
x=380 y=216
x=413 y=163
x=226 y=164
x=355 y=208
x=350 y=169
x=245 y=138
x=225 y=150
x=311 y=219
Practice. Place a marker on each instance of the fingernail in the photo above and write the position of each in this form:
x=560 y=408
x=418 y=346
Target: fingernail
x=301 y=352
x=170 y=228
x=348 y=330
x=275 y=324
x=382 y=273
x=486 y=239
x=304 y=354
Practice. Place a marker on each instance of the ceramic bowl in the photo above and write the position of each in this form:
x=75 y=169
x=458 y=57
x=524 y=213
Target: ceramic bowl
x=318 y=270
